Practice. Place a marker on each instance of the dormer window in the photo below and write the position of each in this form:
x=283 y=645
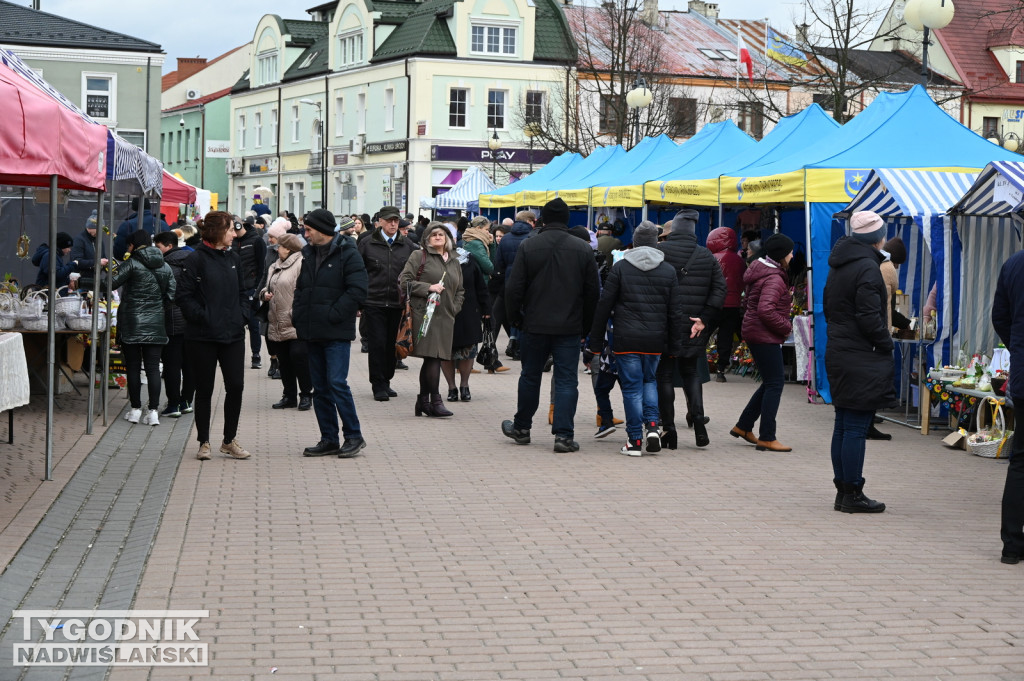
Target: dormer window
x=350 y=48
x=493 y=39
x=266 y=68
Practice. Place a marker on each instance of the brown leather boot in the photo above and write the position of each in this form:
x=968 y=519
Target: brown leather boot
x=551 y=414
x=743 y=435
x=436 y=407
x=773 y=446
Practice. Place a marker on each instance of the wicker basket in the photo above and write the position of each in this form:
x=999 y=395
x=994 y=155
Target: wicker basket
x=33 y=312
x=83 y=323
x=9 y=307
x=990 y=449
x=67 y=306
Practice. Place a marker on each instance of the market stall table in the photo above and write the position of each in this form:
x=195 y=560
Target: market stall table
x=14 y=389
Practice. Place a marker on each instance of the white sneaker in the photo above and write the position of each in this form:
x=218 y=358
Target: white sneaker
x=133 y=415
x=151 y=418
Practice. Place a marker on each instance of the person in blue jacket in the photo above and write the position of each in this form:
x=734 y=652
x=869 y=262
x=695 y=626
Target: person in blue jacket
x=1008 y=321
x=153 y=225
x=64 y=269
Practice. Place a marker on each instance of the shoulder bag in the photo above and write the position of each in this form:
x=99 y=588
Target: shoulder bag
x=403 y=341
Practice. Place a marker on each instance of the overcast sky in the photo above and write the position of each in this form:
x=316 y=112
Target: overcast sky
x=208 y=28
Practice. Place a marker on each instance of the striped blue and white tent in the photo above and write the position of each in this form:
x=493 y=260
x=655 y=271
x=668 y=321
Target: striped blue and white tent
x=914 y=204
x=988 y=220
x=127 y=162
x=473 y=183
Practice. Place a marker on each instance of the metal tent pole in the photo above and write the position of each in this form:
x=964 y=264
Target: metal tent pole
x=51 y=321
x=105 y=384
x=98 y=251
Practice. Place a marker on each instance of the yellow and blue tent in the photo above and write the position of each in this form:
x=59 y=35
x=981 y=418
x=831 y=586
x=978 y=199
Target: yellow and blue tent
x=650 y=151
x=511 y=194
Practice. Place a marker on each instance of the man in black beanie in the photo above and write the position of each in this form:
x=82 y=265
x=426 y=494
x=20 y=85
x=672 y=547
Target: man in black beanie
x=550 y=294
x=42 y=258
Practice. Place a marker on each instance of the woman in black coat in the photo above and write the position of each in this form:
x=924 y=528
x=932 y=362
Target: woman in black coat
x=467 y=333
x=858 y=357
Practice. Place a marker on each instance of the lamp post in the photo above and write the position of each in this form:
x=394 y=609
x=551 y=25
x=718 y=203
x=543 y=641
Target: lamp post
x=638 y=98
x=323 y=148
x=1010 y=141
x=927 y=15
x=531 y=130
x=494 y=144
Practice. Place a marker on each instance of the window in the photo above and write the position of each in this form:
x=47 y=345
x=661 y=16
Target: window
x=500 y=40
x=1020 y=72
x=295 y=122
x=339 y=115
x=136 y=137
x=241 y=131
x=98 y=94
x=825 y=101
x=751 y=119
x=496 y=109
x=389 y=109
x=350 y=48
x=608 y=115
x=730 y=55
x=243 y=197
x=266 y=68
x=273 y=126
x=711 y=54
x=177 y=148
x=199 y=140
x=361 y=112
x=458 y=100
x=188 y=143
x=682 y=117
x=990 y=126
x=534 y=106
x=257 y=122
x=317 y=142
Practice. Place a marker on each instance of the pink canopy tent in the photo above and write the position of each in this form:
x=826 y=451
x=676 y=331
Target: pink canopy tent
x=175 y=192
x=40 y=139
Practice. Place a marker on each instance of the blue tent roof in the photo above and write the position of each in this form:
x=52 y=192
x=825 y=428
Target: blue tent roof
x=650 y=151
x=474 y=183
x=598 y=160
x=908 y=193
x=888 y=134
x=540 y=178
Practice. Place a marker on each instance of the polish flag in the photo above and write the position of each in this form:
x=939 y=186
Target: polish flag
x=744 y=53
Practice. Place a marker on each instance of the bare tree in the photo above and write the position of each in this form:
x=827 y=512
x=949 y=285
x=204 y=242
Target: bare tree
x=618 y=43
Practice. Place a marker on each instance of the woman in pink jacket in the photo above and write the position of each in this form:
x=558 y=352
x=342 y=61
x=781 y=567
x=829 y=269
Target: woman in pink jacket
x=766 y=324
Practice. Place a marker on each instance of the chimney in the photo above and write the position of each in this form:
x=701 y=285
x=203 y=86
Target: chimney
x=708 y=10
x=649 y=15
x=35 y=5
x=801 y=34
x=187 y=67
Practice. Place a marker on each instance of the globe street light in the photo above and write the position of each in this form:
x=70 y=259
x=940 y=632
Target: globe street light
x=531 y=130
x=927 y=15
x=494 y=144
x=323 y=149
x=638 y=98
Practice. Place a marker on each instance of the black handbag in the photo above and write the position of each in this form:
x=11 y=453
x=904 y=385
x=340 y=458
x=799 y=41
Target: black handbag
x=488 y=353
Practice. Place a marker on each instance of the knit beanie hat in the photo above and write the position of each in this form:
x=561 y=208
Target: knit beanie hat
x=581 y=232
x=279 y=227
x=777 y=247
x=290 y=241
x=646 y=234
x=867 y=227
x=555 y=211
x=685 y=221
x=91 y=222
x=897 y=251
x=322 y=220
x=64 y=240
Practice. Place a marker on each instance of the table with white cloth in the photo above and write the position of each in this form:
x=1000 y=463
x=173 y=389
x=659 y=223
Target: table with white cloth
x=14 y=388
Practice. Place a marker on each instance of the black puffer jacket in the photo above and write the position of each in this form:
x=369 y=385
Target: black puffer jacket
x=175 y=259
x=83 y=251
x=383 y=265
x=211 y=297
x=703 y=284
x=858 y=357
x=252 y=251
x=147 y=285
x=553 y=286
x=327 y=298
x=644 y=294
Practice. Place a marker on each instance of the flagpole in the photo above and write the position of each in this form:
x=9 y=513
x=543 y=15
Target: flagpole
x=767 y=27
x=739 y=55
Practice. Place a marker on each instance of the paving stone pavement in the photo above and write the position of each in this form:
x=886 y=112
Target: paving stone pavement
x=446 y=552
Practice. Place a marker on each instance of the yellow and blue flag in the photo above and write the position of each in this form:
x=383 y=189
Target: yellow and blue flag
x=781 y=51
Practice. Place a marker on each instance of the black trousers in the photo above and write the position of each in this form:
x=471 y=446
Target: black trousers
x=293 y=361
x=693 y=390
x=255 y=337
x=380 y=325
x=179 y=385
x=1013 y=501
x=728 y=324
x=137 y=355
x=204 y=358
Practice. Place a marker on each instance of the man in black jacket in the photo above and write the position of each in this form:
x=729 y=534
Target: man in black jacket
x=253 y=252
x=550 y=295
x=1008 y=320
x=179 y=385
x=384 y=253
x=330 y=289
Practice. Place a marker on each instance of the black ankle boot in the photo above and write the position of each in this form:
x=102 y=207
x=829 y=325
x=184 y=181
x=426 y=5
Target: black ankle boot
x=423 y=405
x=700 y=432
x=669 y=439
x=839 y=493
x=854 y=500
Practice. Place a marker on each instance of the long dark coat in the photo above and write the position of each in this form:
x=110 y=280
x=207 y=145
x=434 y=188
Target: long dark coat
x=438 y=340
x=477 y=302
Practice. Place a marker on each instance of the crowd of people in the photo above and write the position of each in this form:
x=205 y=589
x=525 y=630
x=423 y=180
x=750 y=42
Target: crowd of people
x=640 y=316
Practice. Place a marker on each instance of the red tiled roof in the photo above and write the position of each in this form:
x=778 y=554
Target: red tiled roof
x=682 y=35
x=171 y=79
x=754 y=33
x=976 y=25
x=201 y=100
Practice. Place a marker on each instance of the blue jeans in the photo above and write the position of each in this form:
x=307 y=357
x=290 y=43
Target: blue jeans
x=328 y=371
x=534 y=349
x=764 y=403
x=848 y=438
x=603 y=384
x=638 y=377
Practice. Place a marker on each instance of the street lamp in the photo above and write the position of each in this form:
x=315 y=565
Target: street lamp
x=638 y=98
x=494 y=144
x=1010 y=141
x=927 y=15
x=321 y=128
x=531 y=130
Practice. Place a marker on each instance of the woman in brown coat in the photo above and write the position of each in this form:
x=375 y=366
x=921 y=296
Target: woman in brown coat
x=435 y=269
x=282 y=341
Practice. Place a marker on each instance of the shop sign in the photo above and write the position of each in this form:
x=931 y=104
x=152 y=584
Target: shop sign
x=421 y=128
x=341 y=159
x=483 y=154
x=1013 y=115
x=1006 y=192
x=387 y=147
x=218 y=148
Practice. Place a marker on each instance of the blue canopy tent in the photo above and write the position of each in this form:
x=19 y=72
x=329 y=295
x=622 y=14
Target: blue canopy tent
x=988 y=219
x=651 y=151
x=509 y=195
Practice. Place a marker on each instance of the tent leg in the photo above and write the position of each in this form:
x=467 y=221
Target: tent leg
x=51 y=336
x=643 y=212
x=108 y=293
x=95 y=313
x=813 y=374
